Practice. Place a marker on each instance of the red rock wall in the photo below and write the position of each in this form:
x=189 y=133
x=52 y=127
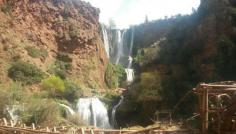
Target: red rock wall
x=68 y=26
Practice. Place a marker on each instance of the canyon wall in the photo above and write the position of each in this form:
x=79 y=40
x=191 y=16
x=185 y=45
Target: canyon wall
x=59 y=28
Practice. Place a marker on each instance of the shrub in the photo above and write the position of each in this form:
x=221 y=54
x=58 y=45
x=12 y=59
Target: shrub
x=150 y=86
x=146 y=55
x=63 y=57
x=57 y=71
x=6 y=8
x=54 y=85
x=8 y=95
x=25 y=73
x=35 y=53
x=76 y=119
x=62 y=64
x=42 y=112
x=60 y=73
x=31 y=107
x=72 y=91
x=114 y=75
x=225 y=59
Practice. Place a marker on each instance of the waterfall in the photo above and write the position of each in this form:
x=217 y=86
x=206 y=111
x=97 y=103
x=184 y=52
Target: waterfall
x=12 y=112
x=69 y=111
x=93 y=112
x=130 y=72
x=113 y=116
x=131 y=43
x=106 y=41
x=120 y=45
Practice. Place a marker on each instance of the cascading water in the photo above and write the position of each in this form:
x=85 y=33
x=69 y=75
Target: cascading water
x=124 y=53
x=12 y=112
x=93 y=112
x=113 y=114
x=120 y=44
x=106 y=41
x=130 y=72
x=69 y=111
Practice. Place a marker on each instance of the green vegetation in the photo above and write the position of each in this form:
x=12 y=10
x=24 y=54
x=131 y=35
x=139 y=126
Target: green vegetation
x=31 y=107
x=61 y=65
x=150 y=87
x=225 y=59
x=114 y=75
x=57 y=88
x=76 y=119
x=41 y=112
x=55 y=85
x=36 y=53
x=63 y=57
x=197 y=48
x=25 y=72
x=72 y=91
x=10 y=94
x=108 y=98
x=6 y=8
x=146 y=55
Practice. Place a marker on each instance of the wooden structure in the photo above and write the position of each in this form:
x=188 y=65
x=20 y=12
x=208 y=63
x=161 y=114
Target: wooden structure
x=7 y=127
x=217 y=106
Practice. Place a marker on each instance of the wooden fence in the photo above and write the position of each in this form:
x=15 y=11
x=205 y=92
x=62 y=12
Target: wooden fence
x=7 y=127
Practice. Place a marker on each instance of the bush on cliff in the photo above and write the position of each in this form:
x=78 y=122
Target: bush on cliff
x=55 y=85
x=72 y=91
x=150 y=87
x=25 y=72
x=30 y=107
x=44 y=112
x=36 y=53
x=114 y=75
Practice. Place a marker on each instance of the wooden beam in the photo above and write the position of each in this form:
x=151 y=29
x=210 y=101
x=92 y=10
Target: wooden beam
x=145 y=130
x=205 y=112
x=218 y=86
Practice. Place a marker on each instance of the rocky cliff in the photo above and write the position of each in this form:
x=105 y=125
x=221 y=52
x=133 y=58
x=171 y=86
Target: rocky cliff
x=193 y=48
x=58 y=36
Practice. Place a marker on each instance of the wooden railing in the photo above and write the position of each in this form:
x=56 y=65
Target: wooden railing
x=7 y=127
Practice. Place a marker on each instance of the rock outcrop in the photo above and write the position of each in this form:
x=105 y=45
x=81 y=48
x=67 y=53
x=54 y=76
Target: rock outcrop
x=68 y=27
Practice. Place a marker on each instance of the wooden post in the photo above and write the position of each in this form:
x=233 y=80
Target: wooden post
x=5 y=121
x=63 y=127
x=205 y=112
x=33 y=126
x=47 y=129
x=11 y=122
x=91 y=131
x=218 y=113
x=54 y=129
x=82 y=131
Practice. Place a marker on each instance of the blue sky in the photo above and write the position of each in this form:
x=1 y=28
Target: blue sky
x=129 y=12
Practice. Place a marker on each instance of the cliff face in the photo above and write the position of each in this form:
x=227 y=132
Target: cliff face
x=68 y=28
x=193 y=48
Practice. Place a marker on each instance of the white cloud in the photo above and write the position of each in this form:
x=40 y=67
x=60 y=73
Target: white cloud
x=128 y=12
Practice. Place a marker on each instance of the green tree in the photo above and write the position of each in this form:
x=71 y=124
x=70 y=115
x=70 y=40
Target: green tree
x=55 y=85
